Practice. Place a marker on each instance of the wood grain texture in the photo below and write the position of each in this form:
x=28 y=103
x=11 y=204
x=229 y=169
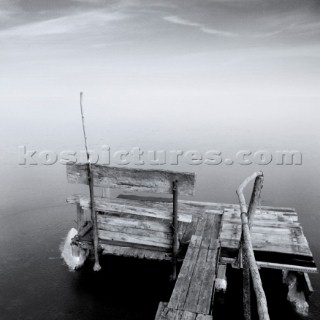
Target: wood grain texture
x=134 y=239
x=125 y=207
x=129 y=179
x=132 y=252
x=194 y=288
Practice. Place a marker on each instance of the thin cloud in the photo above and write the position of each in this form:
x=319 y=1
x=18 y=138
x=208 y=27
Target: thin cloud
x=201 y=27
x=218 y=32
x=178 y=20
x=63 y=25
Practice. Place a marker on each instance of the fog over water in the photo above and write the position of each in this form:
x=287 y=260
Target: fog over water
x=159 y=75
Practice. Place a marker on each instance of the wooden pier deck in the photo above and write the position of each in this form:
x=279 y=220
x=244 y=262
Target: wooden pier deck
x=204 y=236
x=212 y=241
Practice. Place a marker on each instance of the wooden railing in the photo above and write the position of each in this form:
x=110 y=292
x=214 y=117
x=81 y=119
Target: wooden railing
x=246 y=255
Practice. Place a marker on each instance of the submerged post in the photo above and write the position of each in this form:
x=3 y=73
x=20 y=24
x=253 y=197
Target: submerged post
x=175 y=229
x=249 y=263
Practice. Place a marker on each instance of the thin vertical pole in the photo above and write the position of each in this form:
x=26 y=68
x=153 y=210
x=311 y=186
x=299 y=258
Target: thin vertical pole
x=175 y=229
x=97 y=266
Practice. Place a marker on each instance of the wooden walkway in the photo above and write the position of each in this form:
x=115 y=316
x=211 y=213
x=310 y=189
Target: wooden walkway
x=209 y=235
x=194 y=289
x=211 y=241
x=204 y=236
x=278 y=238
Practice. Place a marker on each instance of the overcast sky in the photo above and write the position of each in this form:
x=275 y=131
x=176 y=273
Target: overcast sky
x=167 y=47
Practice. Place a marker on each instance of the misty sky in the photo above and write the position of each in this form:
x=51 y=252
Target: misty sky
x=141 y=48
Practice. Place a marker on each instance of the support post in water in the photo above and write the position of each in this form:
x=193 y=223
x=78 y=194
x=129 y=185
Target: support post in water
x=254 y=200
x=97 y=266
x=249 y=262
x=175 y=230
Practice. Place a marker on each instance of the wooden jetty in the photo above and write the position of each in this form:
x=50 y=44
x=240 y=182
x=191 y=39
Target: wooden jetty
x=206 y=237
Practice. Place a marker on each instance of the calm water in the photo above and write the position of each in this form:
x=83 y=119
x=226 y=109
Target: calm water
x=34 y=217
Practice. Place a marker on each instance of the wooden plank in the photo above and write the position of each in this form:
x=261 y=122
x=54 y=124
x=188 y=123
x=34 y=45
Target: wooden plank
x=188 y=316
x=130 y=207
x=161 y=307
x=287 y=230
x=274 y=216
x=265 y=245
x=193 y=294
x=272 y=265
x=215 y=205
x=146 y=224
x=130 y=179
x=268 y=238
x=135 y=231
x=133 y=246
x=168 y=314
x=179 y=294
x=201 y=226
x=207 y=286
x=190 y=230
x=263 y=223
x=204 y=317
x=274 y=257
x=135 y=239
x=130 y=252
x=210 y=229
x=150 y=202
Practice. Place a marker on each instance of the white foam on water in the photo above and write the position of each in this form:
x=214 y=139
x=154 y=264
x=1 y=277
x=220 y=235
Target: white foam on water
x=74 y=260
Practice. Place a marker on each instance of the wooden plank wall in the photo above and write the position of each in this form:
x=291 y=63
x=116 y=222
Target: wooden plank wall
x=133 y=180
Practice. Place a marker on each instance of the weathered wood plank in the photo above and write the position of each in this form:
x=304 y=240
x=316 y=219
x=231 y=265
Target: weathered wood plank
x=204 y=317
x=168 y=314
x=161 y=307
x=130 y=179
x=210 y=230
x=135 y=245
x=133 y=207
x=207 y=286
x=215 y=205
x=193 y=294
x=188 y=316
x=135 y=239
x=265 y=245
x=263 y=223
x=201 y=226
x=273 y=265
x=166 y=236
x=179 y=293
x=109 y=249
x=146 y=224
x=264 y=215
x=268 y=238
x=288 y=230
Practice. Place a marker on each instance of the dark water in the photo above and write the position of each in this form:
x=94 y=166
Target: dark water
x=34 y=217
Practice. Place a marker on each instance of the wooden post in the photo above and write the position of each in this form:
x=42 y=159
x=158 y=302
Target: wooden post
x=254 y=200
x=255 y=275
x=175 y=230
x=96 y=266
x=249 y=262
x=246 y=288
x=255 y=196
